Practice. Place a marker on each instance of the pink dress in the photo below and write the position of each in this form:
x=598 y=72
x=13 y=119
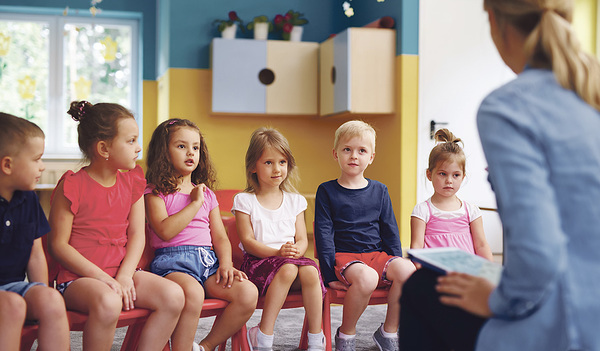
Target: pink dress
x=456 y=232
x=100 y=219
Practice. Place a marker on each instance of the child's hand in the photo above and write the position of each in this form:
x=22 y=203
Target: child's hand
x=113 y=284
x=129 y=294
x=338 y=285
x=197 y=194
x=289 y=250
x=228 y=274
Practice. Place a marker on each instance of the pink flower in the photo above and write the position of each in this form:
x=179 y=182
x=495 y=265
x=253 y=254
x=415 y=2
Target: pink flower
x=287 y=27
x=233 y=16
x=288 y=16
x=278 y=19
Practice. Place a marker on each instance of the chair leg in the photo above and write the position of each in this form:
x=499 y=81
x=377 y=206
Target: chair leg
x=327 y=321
x=132 y=338
x=240 y=339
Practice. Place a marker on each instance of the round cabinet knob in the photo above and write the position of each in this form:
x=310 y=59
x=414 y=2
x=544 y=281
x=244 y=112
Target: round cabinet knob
x=266 y=76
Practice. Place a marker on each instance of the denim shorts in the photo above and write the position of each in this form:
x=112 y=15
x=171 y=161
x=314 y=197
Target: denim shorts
x=20 y=288
x=198 y=261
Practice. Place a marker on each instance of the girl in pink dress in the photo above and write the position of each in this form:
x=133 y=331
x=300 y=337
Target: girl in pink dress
x=444 y=220
x=97 y=221
x=186 y=230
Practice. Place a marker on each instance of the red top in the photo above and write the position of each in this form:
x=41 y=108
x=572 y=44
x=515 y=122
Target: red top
x=101 y=217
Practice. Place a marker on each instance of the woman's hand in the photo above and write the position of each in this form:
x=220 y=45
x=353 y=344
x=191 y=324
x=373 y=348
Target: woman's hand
x=467 y=292
x=289 y=250
x=228 y=274
x=128 y=289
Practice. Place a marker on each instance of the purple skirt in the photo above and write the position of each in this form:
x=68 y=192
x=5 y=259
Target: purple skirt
x=261 y=271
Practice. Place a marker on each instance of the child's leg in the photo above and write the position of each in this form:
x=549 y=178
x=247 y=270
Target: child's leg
x=166 y=300
x=103 y=307
x=312 y=297
x=48 y=307
x=12 y=317
x=398 y=271
x=242 y=297
x=363 y=281
x=275 y=297
x=185 y=331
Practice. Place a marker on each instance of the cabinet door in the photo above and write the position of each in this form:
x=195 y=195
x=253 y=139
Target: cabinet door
x=343 y=78
x=294 y=89
x=327 y=75
x=236 y=64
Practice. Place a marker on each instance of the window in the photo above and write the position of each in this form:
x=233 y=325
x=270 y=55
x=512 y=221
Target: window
x=48 y=61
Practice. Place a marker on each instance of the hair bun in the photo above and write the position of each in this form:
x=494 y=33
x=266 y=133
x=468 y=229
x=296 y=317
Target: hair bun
x=78 y=109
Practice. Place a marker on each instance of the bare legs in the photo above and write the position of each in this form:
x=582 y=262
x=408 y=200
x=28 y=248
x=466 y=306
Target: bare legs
x=47 y=306
x=12 y=317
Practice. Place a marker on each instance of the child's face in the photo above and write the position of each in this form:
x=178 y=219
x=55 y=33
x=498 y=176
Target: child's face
x=354 y=154
x=271 y=168
x=124 y=148
x=184 y=150
x=446 y=178
x=28 y=164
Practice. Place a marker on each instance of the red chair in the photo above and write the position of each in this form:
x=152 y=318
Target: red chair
x=293 y=300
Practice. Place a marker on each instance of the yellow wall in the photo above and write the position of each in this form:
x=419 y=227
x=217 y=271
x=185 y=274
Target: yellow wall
x=584 y=22
x=186 y=93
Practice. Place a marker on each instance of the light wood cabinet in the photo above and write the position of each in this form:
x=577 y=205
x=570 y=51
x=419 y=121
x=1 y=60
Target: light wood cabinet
x=264 y=77
x=357 y=72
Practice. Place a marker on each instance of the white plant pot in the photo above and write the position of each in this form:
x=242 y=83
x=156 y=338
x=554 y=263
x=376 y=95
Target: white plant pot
x=261 y=31
x=229 y=32
x=296 y=33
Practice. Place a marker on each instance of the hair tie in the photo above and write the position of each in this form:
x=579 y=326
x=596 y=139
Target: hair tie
x=81 y=105
x=173 y=121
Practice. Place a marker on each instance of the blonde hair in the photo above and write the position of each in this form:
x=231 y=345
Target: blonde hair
x=353 y=129
x=449 y=147
x=551 y=42
x=261 y=139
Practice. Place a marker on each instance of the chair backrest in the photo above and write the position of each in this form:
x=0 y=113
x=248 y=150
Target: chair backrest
x=225 y=199
x=237 y=255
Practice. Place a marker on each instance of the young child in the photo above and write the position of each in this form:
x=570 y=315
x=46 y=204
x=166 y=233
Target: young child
x=23 y=225
x=444 y=220
x=269 y=217
x=186 y=230
x=357 y=237
x=97 y=221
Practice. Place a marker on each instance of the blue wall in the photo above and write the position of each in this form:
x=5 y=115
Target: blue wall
x=177 y=33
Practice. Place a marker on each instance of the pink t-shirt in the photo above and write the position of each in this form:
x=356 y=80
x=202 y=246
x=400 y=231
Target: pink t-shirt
x=196 y=233
x=101 y=217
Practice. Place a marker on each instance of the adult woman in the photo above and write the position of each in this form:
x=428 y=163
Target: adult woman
x=539 y=134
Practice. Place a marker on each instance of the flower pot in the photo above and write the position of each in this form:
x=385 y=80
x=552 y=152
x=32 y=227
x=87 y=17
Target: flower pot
x=229 y=32
x=296 y=33
x=261 y=30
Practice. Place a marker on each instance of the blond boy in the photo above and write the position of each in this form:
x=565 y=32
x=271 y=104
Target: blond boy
x=22 y=225
x=357 y=237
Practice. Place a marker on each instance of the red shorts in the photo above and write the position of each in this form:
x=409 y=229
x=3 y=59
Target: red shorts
x=377 y=260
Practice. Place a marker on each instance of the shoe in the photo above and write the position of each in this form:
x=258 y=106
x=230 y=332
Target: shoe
x=196 y=347
x=385 y=344
x=344 y=344
x=319 y=347
x=253 y=340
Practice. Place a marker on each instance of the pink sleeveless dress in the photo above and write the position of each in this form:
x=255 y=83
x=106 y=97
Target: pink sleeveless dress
x=455 y=232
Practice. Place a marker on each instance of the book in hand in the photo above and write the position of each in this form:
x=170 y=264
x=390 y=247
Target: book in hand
x=452 y=259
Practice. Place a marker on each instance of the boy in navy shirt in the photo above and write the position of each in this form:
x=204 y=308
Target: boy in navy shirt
x=22 y=224
x=357 y=237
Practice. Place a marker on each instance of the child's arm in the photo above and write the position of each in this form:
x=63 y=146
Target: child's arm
x=246 y=234
x=37 y=268
x=417 y=233
x=324 y=237
x=299 y=247
x=61 y=222
x=165 y=226
x=482 y=248
x=222 y=246
x=136 y=239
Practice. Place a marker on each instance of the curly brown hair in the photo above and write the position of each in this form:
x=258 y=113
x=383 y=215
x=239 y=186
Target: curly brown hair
x=160 y=171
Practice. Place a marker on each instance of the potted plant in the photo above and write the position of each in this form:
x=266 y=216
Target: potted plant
x=290 y=25
x=228 y=27
x=261 y=27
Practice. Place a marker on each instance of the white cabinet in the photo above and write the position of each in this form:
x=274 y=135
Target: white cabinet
x=264 y=77
x=357 y=72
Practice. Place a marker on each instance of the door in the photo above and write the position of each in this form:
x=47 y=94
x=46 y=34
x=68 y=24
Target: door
x=458 y=67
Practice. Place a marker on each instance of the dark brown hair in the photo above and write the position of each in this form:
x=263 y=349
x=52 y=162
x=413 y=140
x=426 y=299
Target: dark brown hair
x=161 y=172
x=96 y=123
x=14 y=133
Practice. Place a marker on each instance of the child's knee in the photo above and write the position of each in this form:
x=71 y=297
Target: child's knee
x=12 y=307
x=106 y=308
x=247 y=295
x=400 y=269
x=194 y=297
x=287 y=273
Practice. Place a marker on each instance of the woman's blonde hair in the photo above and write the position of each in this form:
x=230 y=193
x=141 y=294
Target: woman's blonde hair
x=261 y=139
x=551 y=42
x=449 y=147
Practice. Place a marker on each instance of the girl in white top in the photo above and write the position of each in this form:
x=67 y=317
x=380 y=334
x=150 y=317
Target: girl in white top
x=444 y=220
x=270 y=222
